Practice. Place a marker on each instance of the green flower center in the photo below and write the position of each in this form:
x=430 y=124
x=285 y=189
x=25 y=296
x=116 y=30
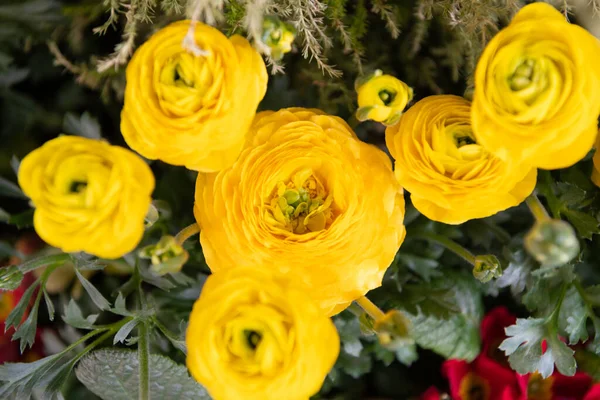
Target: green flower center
x=523 y=75
x=77 y=186
x=301 y=207
x=253 y=338
x=387 y=96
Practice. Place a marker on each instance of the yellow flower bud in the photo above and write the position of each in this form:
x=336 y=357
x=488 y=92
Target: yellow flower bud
x=192 y=110
x=305 y=195
x=382 y=98
x=89 y=196
x=167 y=256
x=537 y=90
x=254 y=336
x=450 y=176
x=278 y=36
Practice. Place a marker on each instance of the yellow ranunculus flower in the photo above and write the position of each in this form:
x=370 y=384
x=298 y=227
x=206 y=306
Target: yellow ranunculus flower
x=192 y=110
x=382 y=98
x=537 y=90
x=89 y=196
x=450 y=176
x=253 y=336
x=305 y=195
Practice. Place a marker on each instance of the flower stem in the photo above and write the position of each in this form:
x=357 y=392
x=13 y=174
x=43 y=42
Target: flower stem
x=536 y=208
x=143 y=355
x=186 y=233
x=447 y=243
x=370 y=308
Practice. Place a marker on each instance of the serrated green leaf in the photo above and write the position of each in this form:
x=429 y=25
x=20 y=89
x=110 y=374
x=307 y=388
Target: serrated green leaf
x=120 y=307
x=573 y=316
x=125 y=330
x=18 y=380
x=523 y=347
x=571 y=195
x=113 y=375
x=26 y=331
x=407 y=354
x=74 y=317
x=585 y=224
x=94 y=294
x=16 y=315
x=445 y=314
x=426 y=268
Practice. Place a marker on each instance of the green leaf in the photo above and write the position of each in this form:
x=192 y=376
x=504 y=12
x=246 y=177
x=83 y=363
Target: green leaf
x=524 y=348
x=10 y=189
x=86 y=126
x=49 y=305
x=426 y=268
x=113 y=375
x=44 y=261
x=571 y=194
x=573 y=316
x=585 y=224
x=18 y=380
x=95 y=295
x=125 y=330
x=26 y=331
x=22 y=220
x=16 y=315
x=74 y=317
x=589 y=363
x=120 y=307
x=445 y=314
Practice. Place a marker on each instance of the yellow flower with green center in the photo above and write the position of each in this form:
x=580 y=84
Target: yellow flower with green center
x=305 y=196
x=192 y=110
x=254 y=336
x=382 y=98
x=88 y=195
x=278 y=36
x=450 y=176
x=537 y=90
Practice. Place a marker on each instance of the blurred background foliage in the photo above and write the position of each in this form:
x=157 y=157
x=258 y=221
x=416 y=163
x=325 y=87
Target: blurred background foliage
x=62 y=65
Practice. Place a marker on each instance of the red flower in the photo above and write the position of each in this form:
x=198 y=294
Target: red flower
x=431 y=394
x=593 y=394
x=489 y=376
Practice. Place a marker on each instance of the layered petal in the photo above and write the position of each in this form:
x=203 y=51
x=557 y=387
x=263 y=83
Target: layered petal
x=256 y=334
x=192 y=110
x=305 y=196
x=450 y=176
x=537 y=90
x=89 y=196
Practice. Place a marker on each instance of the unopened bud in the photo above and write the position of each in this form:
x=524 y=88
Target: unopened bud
x=167 y=256
x=552 y=242
x=278 y=36
x=393 y=330
x=486 y=268
x=10 y=277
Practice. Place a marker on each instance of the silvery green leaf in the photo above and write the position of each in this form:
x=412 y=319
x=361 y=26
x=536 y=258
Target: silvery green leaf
x=95 y=295
x=125 y=330
x=74 y=317
x=113 y=374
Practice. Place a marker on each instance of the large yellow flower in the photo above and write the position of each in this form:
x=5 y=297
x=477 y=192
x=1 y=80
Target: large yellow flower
x=253 y=336
x=89 y=196
x=192 y=110
x=305 y=195
x=450 y=176
x=537 y=90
